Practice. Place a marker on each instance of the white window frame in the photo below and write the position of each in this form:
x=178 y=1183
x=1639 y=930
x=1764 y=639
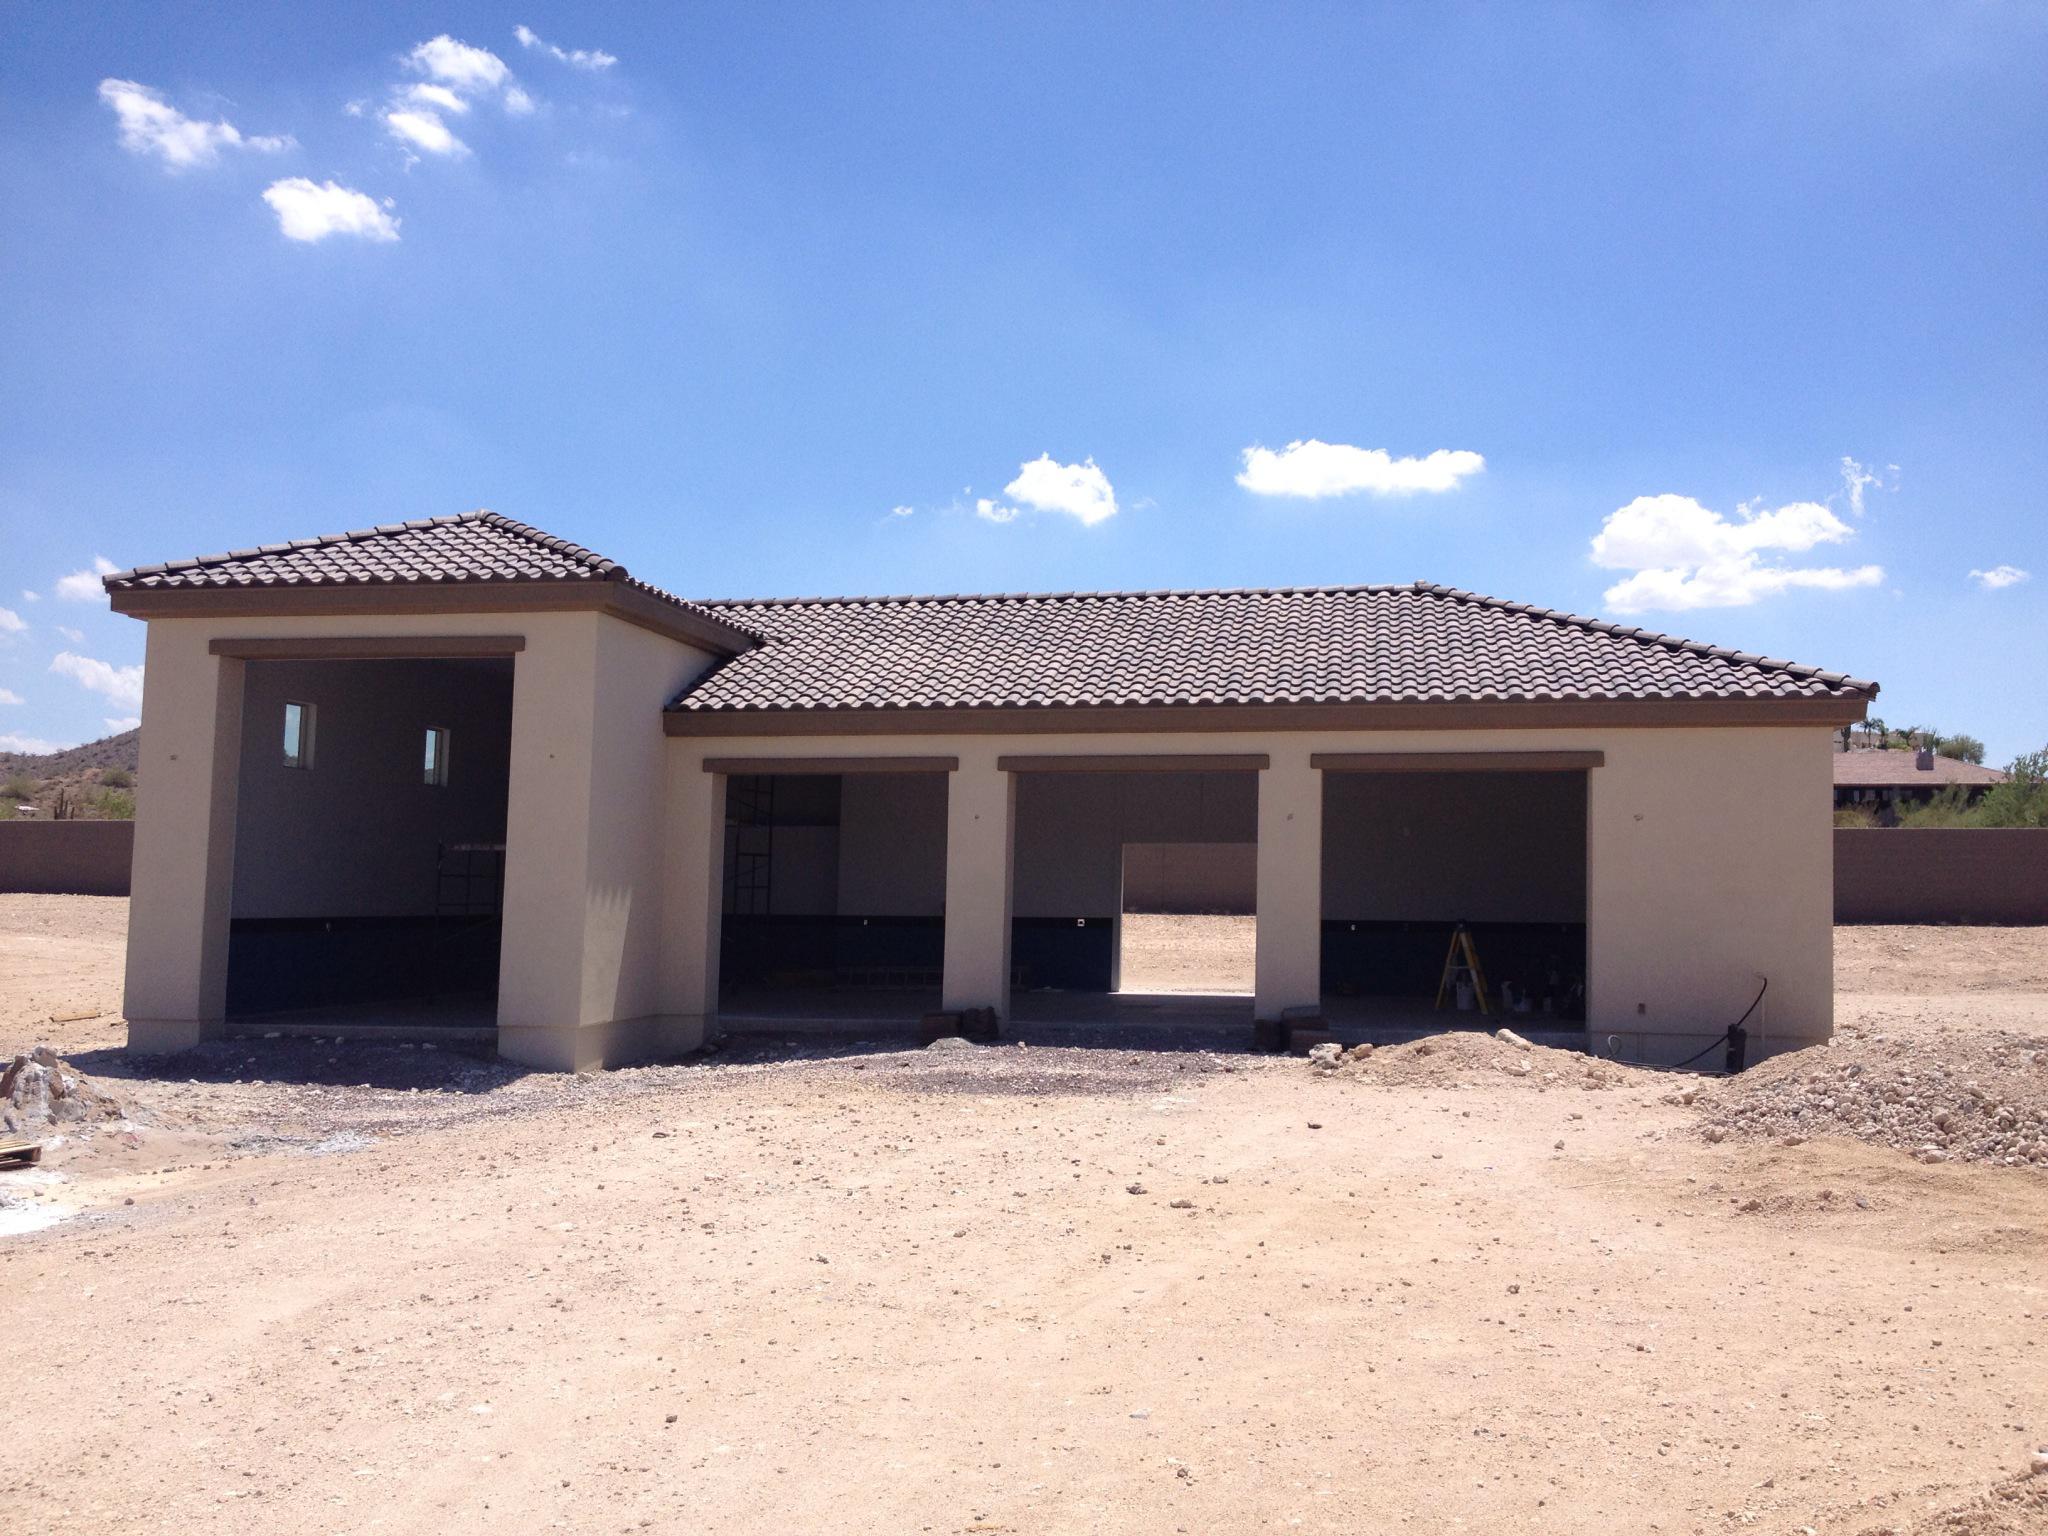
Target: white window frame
x=308 y=714
x=434 y=756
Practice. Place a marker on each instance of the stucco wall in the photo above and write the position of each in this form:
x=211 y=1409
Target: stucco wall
x=1445 y=847
x=580 y=977
x=355 y=834
x=83 y=858
x=1941 y=875
x=1709 y=861
x=892 y=845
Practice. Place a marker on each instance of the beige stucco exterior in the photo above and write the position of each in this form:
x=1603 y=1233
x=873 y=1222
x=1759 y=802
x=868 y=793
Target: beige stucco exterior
x=1708 y=855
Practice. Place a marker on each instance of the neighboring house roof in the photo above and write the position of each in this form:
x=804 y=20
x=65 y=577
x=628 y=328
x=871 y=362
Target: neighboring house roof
x=470 y=549
x=1896 y=768
x=1417 y=643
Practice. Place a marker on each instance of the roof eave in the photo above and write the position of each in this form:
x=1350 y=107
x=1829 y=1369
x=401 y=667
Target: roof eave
x=619 y=598
x=1052 y=719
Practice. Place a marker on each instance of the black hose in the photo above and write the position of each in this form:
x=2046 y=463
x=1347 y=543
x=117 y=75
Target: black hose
x=1723 y=1040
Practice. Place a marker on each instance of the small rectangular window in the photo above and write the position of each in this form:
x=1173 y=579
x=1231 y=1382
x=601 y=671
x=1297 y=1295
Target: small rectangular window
x=437 y=755
x=298 y=735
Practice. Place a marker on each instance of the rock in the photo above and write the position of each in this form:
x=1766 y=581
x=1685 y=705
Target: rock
x=1358 y=1052
x=1134 y=1189
x=1508 y=1037
x=949 y=1043
x=1182 y=1205
x=1931 y=1155
x=1715 y=1133
x=41 y=1088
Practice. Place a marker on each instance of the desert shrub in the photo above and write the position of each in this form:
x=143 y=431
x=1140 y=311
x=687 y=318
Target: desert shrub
x=2022 y=800
x=1949 y=807
x=117 y=778
x=1855 y=815
x=116 y=804
x=18 y=786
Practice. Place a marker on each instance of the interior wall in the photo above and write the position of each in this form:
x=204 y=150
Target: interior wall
x=1445 y=847
x=356 y=834
x=892 y=845
x=1072 y=827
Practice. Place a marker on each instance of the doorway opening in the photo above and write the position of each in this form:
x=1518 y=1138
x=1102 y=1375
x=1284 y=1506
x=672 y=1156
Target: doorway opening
x=1407 y=857
x=370 y=844
x=834 y=899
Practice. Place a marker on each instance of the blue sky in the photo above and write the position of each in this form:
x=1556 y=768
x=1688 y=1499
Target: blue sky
x=1729 y=322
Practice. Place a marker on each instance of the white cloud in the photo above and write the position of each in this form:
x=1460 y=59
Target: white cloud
x=592 y=59
x=469 y=70
x=903 y=511
x=11 y=623
x=1856 y=480
x=1314 y=469
x=1991 y=580
x=1685 y=555
x=121 y=684
x=423 y=129
x=434 y=98
x=9 y=696
x=308 y=210
x=120 y=723
x=517 y=102
x=34 y=746
x=152 y=126
x=75 y=636
x=1079 y=490
x=994 y=511
x=84 y=586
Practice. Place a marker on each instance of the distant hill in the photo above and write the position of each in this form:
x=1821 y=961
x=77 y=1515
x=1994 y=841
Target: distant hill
x=73 y=782
x=122 y=751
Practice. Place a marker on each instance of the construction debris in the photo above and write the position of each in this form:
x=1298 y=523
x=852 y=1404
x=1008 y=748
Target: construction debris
x=1460 y=1058
x=1941 y=1096
x=41 y=1088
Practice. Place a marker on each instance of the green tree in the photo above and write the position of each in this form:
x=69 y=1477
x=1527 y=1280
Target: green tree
x=1949 y=807
x=2022 y=800
x=1963 y=747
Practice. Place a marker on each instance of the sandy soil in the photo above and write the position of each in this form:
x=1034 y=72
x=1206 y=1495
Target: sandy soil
x=995 y=1289
x=1199 y=953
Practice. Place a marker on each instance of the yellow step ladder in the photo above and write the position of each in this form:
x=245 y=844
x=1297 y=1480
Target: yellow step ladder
x=1462 y=963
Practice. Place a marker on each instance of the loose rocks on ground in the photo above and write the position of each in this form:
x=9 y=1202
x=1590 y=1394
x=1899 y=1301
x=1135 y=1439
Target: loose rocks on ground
x=41 y=1089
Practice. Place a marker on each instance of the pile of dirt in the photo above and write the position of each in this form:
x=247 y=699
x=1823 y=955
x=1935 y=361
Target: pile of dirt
x=1942 y=1096
x=41 y=1089
x=1463 y=1059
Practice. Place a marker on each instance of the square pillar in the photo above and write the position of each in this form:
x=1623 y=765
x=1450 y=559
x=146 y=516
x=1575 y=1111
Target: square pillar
x=981 y=815
x=695 y=866
x=181 y=888
x=1289 y=961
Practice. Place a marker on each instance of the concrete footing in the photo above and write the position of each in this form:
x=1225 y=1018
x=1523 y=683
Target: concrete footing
x=165 y=1037
x=614 y=1043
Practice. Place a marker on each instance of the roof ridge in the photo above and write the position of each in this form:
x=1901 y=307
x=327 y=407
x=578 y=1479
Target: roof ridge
x=851 y=600
x=1669 y=642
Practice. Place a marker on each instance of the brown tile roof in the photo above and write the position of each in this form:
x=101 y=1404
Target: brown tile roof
x=468 y=548
x=1414 y=643
x=1872 y=768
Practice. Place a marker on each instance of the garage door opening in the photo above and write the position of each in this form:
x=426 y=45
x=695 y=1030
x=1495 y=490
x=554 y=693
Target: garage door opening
x=1408 y=856
x=370 y=844
x=834 y=899
x=1128 y=904
x=1188 y=923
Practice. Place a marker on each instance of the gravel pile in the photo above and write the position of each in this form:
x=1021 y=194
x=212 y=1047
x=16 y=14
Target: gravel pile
x=1941 y=1096
x=1465 y=1058
x=40 y=1089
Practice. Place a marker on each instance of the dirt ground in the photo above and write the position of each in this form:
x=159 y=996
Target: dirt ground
x=1191 y=953
x=320 y=1287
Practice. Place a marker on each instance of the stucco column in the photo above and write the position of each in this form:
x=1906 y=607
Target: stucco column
x=1289 y=961
x=182 y=884
x=981 y=811
x=696 y=873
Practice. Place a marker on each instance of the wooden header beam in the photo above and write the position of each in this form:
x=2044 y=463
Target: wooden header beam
x=1456 y=762
x=369 y=647
x=1138 y=762
x=753 y=765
